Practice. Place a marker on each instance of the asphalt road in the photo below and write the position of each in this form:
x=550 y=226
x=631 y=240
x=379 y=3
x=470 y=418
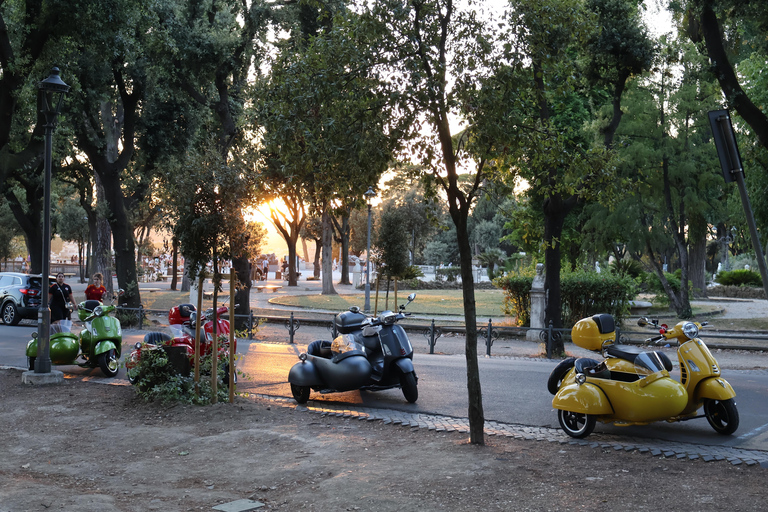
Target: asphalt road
x=514 y=389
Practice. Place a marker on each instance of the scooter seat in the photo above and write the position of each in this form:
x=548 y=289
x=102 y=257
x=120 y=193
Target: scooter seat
x=592 y=368
x=630 y=354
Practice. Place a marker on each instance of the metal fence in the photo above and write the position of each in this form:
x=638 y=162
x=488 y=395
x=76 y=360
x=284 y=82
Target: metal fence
x=487 y=333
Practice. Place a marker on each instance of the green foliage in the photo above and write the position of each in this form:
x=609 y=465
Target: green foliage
x=517 y=296
x=653 y=285
x=448 y=274
x=588 y=293
x=741 y=277
x=412 y=272
x=392 y=243
x=627 y=267
x=583 y=294
x=436 y=252
x=158 y=380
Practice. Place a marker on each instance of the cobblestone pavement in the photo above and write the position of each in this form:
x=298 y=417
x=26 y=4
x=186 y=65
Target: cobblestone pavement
x=438 y=423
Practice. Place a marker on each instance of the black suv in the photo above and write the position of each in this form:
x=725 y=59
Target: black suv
x=19 y=296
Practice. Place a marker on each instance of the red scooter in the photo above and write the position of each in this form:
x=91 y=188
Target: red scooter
x=182 y=319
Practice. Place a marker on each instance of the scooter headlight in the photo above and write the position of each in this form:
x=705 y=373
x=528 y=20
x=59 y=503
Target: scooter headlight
x=690 y=330
x=388 y=318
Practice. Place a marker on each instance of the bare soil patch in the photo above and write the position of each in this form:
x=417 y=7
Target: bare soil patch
x=92 y=447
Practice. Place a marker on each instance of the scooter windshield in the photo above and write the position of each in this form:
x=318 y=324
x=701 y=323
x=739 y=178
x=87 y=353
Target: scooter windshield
x=647 y=363
x=61 y=326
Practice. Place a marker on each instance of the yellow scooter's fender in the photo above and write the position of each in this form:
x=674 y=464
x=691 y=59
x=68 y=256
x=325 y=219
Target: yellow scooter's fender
x=715 y=388
x=584 y=399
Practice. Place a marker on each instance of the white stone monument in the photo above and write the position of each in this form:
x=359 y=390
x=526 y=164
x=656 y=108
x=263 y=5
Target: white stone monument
x=538 y=304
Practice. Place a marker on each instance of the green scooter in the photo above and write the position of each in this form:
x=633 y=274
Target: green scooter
x=99 y=343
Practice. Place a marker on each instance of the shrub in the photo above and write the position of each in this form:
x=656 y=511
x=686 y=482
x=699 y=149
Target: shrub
x=588 y=293
x=447 y=274
x=517 y=296
x=582 y=293
x=411 y=272
x=739 y=278
x=627 y=267
x=157 y=379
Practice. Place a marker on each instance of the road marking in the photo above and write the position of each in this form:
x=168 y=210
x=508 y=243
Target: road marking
x=754 y=432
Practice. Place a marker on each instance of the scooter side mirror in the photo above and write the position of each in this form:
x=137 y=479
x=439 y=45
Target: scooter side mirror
x=642 y=321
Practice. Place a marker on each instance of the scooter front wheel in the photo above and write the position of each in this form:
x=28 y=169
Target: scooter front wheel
x=722 y=415
x=31 y=361
x=576 y=424
x=409 y=387
x=109 y=363
x=300 y=393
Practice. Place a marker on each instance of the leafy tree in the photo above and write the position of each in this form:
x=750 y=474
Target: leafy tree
x=327 y=145
x=416 y=41
x=725 y=29
x=392 y=243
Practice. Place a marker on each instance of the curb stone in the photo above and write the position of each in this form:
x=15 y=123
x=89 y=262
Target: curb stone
x=439 y=423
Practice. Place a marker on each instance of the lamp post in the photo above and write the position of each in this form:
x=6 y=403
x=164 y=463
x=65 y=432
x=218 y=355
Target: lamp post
x=727 y=240
x=51 y=92
x=369 y=195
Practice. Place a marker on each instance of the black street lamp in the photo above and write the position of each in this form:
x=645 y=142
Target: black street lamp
x=50 y=93
x=369 y=195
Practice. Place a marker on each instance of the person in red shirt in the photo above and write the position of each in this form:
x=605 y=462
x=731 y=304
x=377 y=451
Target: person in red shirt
x=96 y=290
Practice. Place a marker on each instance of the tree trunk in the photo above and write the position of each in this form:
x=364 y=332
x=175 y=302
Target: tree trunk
x=175 y=264
x=31 y=223
x=697 y=260
x=555 y=210
x=316 y=263
x=327 y=261
x=242 y=304
x=103 y=244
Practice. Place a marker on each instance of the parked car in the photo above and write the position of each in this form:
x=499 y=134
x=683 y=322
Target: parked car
x=20 y=296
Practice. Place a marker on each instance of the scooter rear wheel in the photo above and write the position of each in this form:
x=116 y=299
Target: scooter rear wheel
x=31 y=361
x=109 y=363
x=722 y=415
x=300 y=393
x=576 y=424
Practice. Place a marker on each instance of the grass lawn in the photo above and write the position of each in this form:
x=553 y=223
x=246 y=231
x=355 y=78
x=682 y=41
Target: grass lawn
x=428 y=302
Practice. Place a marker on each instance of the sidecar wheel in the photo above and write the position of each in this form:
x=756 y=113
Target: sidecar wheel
x=556 y=377
x=300 y=393
x=576 y=424
x=722 y=415
x=409 y=387
x=109 y=363
x=31 y=361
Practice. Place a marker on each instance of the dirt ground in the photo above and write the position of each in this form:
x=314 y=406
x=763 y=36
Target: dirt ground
x=83 y=446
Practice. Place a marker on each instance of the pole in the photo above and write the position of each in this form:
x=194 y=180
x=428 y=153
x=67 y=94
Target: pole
x=367 y=305
x=752 y=230
x=43 y=361
x=231 y=335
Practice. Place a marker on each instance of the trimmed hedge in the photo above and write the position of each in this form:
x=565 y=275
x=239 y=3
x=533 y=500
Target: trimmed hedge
x=742 y=277
x=583 y=294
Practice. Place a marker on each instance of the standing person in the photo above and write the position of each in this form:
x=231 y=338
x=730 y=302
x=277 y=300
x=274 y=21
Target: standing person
x=96 y=290
x=59 y=297
x=265 y=269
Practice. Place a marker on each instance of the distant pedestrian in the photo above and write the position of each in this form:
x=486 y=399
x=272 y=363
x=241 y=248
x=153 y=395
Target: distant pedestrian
x=60 y=299
x=96 y=290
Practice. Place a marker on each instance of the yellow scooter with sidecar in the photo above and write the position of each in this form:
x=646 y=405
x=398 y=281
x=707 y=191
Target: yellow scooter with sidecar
x=633 y=386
